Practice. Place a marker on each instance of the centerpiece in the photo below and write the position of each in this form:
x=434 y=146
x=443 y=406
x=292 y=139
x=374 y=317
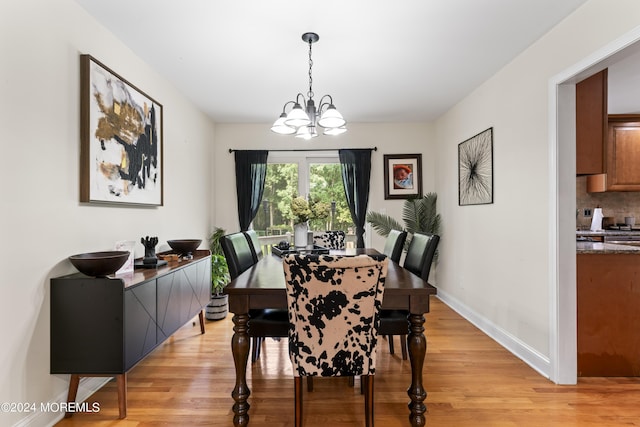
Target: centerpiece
x=301 y=213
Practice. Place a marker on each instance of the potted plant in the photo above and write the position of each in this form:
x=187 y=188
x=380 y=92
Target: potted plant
x=218 y=307
x=419 y=215
x=301 y=213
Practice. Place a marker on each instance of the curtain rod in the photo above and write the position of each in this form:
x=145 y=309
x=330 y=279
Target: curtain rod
x=231 y=150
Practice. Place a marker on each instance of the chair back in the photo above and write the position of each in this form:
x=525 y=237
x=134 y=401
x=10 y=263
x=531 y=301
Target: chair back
x=420 y=254
x=237 y=252
x=394 y=244
x=334 y=313
x=334 y=239
x=254 y=244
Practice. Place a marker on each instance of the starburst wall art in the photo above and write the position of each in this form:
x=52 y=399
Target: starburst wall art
x=475 y=169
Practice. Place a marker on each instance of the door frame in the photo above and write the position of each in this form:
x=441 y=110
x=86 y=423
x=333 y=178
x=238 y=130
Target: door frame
x=562 y=203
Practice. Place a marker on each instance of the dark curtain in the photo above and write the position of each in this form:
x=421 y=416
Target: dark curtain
x=251 y=170
x=356 y=173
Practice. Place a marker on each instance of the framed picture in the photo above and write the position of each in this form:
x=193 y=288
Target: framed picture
x=475 y=169
x=402 y=176
x=121 y=139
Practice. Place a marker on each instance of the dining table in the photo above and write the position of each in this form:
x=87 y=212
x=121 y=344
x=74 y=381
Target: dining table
x=263 y=286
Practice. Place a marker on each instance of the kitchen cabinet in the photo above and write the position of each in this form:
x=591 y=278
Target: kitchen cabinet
x=105 y=326
x=608 y=297
x=591 y=124
x=623 y=153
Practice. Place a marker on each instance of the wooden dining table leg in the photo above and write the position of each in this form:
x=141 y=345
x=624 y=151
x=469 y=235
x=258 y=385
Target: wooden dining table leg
x=240 y=350
x=417 y=350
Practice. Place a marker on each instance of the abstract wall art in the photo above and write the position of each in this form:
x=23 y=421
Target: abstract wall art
x=475 y=169
x=121 y=139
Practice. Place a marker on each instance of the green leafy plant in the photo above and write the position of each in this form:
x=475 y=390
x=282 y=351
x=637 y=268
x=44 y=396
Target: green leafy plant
x=300 y=210
x=219 y=268
x=319 y=210
x=419 y=216
x=314 y=209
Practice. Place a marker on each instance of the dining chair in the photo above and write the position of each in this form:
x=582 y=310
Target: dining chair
x=254 y=243
x=418 y=261
x=267 y=322
x=238 y=253
x=332 y=239
x=394 y=245
x=334 y=304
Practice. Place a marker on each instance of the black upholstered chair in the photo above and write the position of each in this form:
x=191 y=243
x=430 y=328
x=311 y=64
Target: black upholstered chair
x=418 y=260
x=394 y=245
x=334 y=316
x=333 y=239
x=254 y=242
x=240 y=255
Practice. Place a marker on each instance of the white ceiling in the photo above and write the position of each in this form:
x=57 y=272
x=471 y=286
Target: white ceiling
x=381 y=60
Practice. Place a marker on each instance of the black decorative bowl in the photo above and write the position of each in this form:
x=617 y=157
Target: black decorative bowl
x=185 y=246
x=99 y=264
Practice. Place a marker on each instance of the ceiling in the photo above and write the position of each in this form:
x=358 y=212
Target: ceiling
x=381 y=61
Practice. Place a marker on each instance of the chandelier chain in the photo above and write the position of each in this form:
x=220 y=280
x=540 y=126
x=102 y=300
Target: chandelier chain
x=310 y=93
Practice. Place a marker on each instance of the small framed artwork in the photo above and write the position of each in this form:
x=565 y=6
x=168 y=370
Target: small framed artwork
x=475 y=169
x=121 y=139
x=402 y=176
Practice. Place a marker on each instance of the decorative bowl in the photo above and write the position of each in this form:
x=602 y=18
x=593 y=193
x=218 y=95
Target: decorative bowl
x=184 y=246
x=99 y=264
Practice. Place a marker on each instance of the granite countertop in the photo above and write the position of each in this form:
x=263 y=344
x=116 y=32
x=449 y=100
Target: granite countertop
x=605 y=248
x=586 y=233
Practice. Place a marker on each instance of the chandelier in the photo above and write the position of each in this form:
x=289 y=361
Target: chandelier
x=303 y=118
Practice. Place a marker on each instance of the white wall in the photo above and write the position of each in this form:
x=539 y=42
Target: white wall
x=42 y=220
x=495 y=264
x=396 y=138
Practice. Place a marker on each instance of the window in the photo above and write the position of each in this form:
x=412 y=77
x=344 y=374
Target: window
x=316 y=177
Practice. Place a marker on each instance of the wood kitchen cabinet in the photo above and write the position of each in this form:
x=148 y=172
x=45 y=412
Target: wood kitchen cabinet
x=105 y=326
x=623 y=153
x=591 y=124
x=608 y=297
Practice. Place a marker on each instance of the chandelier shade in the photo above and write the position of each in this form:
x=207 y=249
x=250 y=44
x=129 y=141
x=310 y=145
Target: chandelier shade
x=306 y=132
x=303 y=117
x=335 y=131
x=297 y=117
x=280 y=127
x=331 y=118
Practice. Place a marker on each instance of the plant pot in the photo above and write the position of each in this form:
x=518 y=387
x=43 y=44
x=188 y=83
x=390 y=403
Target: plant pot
x=300 y=235
x=218 y=307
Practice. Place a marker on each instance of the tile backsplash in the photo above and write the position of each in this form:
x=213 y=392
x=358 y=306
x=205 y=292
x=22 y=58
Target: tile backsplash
x=616 y=204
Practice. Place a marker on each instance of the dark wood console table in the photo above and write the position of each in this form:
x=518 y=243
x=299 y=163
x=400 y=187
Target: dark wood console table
x=105 y=326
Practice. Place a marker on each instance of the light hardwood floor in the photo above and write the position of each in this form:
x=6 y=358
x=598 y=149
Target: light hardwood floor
x=470 y=380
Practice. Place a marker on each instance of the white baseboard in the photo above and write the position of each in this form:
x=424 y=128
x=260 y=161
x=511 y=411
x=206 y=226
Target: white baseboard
x=531 y=357
x=87 y=386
